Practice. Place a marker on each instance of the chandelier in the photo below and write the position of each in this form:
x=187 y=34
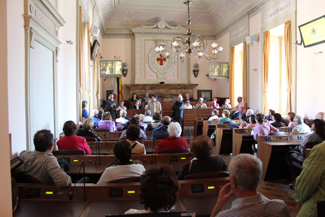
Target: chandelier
x=191 y=44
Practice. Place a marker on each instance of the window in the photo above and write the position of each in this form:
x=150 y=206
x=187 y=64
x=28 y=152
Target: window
x=238 y=87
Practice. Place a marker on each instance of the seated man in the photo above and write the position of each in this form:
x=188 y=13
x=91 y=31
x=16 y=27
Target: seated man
x=245 y=176
x=203 y=97
x=247 y=115
x=202 y=148
x=174 y=140
x=41 y=164
x=321 y=116
x=225 y=116
x=187 y=105
x=124 y=167
x=71 y=141
x=146 y=97
x=187 y=98
x=95 y=118
x=132 y=134
x=236 y=115
x=162 y=129
x=147 y=117
x=201 y=105
x=300 y=126
x=135 y=121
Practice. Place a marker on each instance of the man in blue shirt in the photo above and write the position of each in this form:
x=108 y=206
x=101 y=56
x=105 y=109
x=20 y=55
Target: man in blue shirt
x=163 y=129
x=95 y=118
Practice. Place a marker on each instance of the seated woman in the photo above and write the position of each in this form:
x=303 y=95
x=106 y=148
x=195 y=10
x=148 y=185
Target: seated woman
x=174 y=140
x=142 y=125
x=158 y=190
x=214 y=104
x=124 y=167
x=156 y=122
x=136 y=122
x=85 y=113
x=137 y=105
x=290 y=117
x=252 y=123
x=122 y=118
x=269 y=117
x=225 y=116
x=121 y=106
x=227 y=104
x=263 y=128
x=147 y=117
x=277 y=120
x=107 y=122
x=214 y=115
x=134 y=98
x=317 y=136
x=202 y=148
x=87 y=129
x=132 y=134
x=70 y=141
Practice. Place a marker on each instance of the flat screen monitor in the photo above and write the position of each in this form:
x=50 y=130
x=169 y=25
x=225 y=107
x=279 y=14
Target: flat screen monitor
x=110 y=68
x=313 y=32
x=218 y=70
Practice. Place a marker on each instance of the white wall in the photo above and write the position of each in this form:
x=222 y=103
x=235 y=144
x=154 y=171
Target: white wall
x=16 y=75
x=254 y=72
x=5 y=187
x=67 y=73
x=310 y=66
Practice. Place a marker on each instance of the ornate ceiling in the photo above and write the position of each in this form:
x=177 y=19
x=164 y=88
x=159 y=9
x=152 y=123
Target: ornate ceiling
x=206 y=14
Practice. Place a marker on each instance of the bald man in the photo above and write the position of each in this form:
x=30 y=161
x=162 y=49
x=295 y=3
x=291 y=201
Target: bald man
x=162 y=129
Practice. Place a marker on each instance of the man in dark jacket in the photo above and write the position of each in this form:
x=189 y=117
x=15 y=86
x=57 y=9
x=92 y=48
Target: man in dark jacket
x=111 y=105
x=178 y=110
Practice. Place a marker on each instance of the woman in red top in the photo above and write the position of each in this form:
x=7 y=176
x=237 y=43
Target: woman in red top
x=174 y=140
x=71 y=141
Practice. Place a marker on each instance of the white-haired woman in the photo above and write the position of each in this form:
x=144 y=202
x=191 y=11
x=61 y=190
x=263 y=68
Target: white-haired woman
x=122 y=119
x=299 y=125
x=174 y=140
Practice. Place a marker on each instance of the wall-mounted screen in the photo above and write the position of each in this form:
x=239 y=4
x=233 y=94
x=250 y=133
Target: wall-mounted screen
x=110 y=68
x=218 y=70
x=313 y=32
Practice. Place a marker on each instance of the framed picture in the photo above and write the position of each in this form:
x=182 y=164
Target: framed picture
x=218 y=70
x=207 y=93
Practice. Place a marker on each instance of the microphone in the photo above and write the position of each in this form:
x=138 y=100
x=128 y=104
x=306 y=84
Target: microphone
x=84 y=181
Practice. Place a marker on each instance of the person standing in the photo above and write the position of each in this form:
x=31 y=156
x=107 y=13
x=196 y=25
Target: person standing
x=154 y=106
x=178 y=109
x=111 y=105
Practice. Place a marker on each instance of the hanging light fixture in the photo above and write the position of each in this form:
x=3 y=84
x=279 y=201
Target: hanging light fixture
x=193 y=44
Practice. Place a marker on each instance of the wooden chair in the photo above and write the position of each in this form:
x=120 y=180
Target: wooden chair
x=130 y=179
x=208 y=175
x=23 y=177
x=68 y=152
x=174 y=150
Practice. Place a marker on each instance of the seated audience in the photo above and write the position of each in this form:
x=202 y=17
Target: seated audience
x=162 y=130
x=132 y=134
x=277 y=120
x=214 y=104
x=201 y=104
x=124 y=167
x=202 y=148
x=71 y=141
x=121 y=106
x=14 y=194
x=137 y=105
x=247 y=115
x=299 y=126
x=310 y=184
x=158 y=190
x=263 y=128
x=100 y=113
x=227 y=104
x=107 y=123
x=321 y=115
x=225 y=116
x=95 y=118
x=41 y=164
x=146 y=97
x=175 y=98
x=85 y=113
x=156 y=122
x=269 y=117
x=174 y=140
x=252 y=123
x=147 y=117
x=187 y=98
x=290 y=117
x=122 y=119
x=86 y=130
x=245 y=175
x=214 y=115
x=187 y=105
x=236 y=115
x=136 y=122
x=142 y=124
x=318 y=134
x=203 y=97
x=134 y=97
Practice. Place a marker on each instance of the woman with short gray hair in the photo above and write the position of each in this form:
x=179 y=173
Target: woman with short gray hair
x=174 y=140
x=299 y=125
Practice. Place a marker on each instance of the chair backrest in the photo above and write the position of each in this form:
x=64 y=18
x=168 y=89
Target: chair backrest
x=161 y=137
x=174 y=150
x=208 y=175
x=90 y=138
x=25 y=178
x=278 y=133
x=311 y=144
x=130 y=179
x=321 y=208
x=69 y=152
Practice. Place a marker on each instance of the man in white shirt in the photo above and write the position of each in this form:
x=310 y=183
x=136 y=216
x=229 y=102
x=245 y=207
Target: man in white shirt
x=300 y=126
x=240 y=104
x=187 y=105
x=201 y=105
x=154 y=106
x=147 y=117
x=124 y=167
